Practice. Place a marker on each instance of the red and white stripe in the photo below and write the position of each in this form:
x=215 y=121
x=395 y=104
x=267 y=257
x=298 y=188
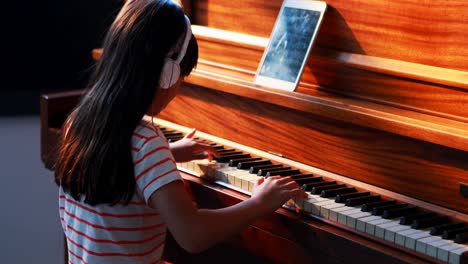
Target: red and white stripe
x=133 y=233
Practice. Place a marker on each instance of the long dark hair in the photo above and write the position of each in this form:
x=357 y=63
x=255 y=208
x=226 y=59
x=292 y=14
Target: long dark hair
x=94 y=158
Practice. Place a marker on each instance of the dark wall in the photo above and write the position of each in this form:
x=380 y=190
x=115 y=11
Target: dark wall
x=46 y=46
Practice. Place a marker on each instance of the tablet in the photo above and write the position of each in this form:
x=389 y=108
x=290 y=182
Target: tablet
x=290 y=43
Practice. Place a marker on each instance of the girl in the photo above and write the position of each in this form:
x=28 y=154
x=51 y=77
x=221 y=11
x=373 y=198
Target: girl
x=119 y=185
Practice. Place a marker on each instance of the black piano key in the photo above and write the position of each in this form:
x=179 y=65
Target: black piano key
x=461 y=238
x=263 y=172
x=303 y=175
x=221 y=151
x=172 y=133
x=229 y=153
x=408 y=219
x=335 y=192
x=362 y=200
x=307 y=180
x=227 y=158
x=438 y=230
x=217 y=147
x=319 y=189
x=398 y=212
x=341 y=198
x=173 y=139
x=450 y=234
x=246 y=165
x=255 y=169
x=368 y=207
x=429 y=222
x=308 y=186
x=286 y=172
x=378 y=210
x=234 y=162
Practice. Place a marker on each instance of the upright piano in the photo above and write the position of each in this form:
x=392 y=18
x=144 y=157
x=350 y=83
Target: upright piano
x=376 y=132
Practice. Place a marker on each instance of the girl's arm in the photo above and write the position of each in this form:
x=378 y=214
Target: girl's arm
x=199 y=229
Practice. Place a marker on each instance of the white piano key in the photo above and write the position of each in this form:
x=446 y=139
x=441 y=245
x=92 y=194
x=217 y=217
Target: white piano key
x=400 y=236
x=325 y=209
x=320 y=205
x=421 y=244
x=370 y=226
x=410 y=240
x=391 y=232
x=455 y=255
x=381 y=229
x=221 y=173
x=361 y=222
x=343 y=215
x=333 y=213
x=443 y=252
x=351 y=220
x=432 y=247
x=308 y=204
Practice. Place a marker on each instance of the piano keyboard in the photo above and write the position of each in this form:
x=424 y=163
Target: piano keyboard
x=338 y=199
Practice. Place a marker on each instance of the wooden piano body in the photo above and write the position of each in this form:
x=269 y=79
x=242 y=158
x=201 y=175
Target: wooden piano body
x=383 y=101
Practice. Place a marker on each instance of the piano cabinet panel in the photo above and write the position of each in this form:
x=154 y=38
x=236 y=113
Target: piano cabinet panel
x=415 y=168
x=426 y=33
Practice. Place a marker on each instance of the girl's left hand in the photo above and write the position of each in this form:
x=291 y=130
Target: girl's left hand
x=188 y=149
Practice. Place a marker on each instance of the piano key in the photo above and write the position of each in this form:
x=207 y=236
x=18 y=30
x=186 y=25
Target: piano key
x=234 y=162
x=378 y=210
x=285 y=172
x=423 y=243
x=341 y=198
x=308 y=204
x=344 y=215
x=352 y=219
x=325 y=209
x=429 y=222
x=400 y=236
x=451 y=233
x=438 y=230
x=455 y=255
x=229 y=150
x=391 y=232
x=309 y=186
x=227 y=158
x=255 y=169
x=370 y=226
x=335 y=212
x=432 y=247
x=361 y=222
x=410 y=240
x=382 y=228
x=443 y=252
x=408 y=219
x=320 y=205
x=306 y=175
x=335 y=192
x=246 y=165
x=318 y=189
x=461 y=237
x=264 y=171
x=361 y=200
x=397 y=212
x=368 y=207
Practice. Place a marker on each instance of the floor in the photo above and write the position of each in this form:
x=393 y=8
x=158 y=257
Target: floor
x=30 y=225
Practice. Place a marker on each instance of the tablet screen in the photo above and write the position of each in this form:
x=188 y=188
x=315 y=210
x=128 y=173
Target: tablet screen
x=289 y=44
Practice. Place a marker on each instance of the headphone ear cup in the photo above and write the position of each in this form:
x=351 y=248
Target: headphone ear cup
x=169 y=74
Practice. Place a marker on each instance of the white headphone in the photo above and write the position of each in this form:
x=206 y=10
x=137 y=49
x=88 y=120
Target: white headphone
x=170 y=72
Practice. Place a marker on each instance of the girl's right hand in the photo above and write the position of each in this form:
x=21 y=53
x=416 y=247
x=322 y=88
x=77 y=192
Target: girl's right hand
x=272 y=192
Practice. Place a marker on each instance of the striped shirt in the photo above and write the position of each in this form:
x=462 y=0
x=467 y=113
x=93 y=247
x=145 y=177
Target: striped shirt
x=133 y=233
